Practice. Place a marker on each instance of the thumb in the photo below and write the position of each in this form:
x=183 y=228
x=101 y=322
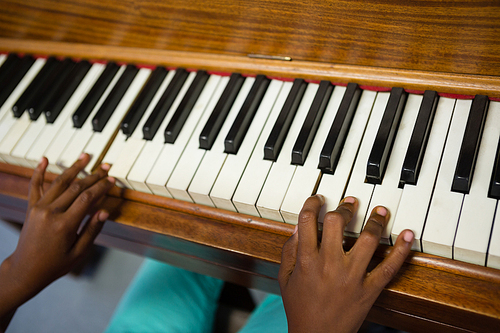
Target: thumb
x=288 y=258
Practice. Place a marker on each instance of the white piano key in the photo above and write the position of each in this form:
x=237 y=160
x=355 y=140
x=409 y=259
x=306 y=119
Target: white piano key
x=123 y=152
x=2 y=58
x=151 y=150
x=388 y=193
x=414 y=203
x=254 y=176
x=234 y=166
x=14 y=134
x=494 y=246
x=306 y=176
x=100 y=140
x=170 y=154
x=357 y=186
x=29 y=137
x=55 y=136
x=332 y=187
x=444 y=211
x=81 y=136
x=7 y=118
x=190 y=159
x=214 y=159
x=478 y=211
x=281 y=173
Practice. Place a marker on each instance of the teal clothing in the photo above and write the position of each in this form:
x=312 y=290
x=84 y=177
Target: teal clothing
x=163 y=298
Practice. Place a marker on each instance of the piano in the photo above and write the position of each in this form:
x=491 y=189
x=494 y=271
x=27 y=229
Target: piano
x=350 y=66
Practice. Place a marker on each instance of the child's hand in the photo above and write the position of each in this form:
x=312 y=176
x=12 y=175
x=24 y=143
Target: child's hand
x=324 y=288
x=51 y=243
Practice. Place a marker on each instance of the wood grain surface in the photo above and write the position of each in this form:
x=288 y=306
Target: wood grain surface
x=461 y=37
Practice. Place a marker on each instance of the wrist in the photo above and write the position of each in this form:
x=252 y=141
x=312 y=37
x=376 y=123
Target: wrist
x=13 y=292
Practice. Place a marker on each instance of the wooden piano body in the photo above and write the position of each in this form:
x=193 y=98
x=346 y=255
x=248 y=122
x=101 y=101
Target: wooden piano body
x=452 y=47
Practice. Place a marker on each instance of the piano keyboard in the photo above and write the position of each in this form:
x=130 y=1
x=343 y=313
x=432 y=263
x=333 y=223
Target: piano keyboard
x=261 y=146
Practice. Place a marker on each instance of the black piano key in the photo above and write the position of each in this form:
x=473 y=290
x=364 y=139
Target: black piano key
x=185 y=107
x=379 y=155
x=50 y=88
x=418 y=140
x=85 y=108
x=33 y=89
x=245 y=116
x=276 y=139
x=8 y=67
x=335 y=140
x=494 y=191
x=470 y=145
x=167 y=99
x=308 y=131
x=66 y=90
x=220 y=112
x=115 y=96
x=141 y=103
x=16 y=76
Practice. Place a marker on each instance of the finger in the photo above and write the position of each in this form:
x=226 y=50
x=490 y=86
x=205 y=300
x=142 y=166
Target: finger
x=73 y=191
x=288 y=258
x=368 y=241
x=36 y=183
x=82 y=204
x=61 y=183
x=89 y=233
x=308 y=225
x=387 y=269
x=334 y=224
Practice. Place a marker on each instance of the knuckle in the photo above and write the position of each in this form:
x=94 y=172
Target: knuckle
x=307 y=215
x=76 y=187
x=87 y=197
x=389 y=272
x=61 y=181
x=346 y=213
x=304 y=263
x=42 y=213
x=374 y=226
x=370 y=237
x=334 y=216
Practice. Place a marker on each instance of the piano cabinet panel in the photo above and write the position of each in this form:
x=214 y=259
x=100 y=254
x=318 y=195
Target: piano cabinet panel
x=444 y=36
x=429 y=292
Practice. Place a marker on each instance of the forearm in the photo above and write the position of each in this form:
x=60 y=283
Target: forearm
x=12 y=293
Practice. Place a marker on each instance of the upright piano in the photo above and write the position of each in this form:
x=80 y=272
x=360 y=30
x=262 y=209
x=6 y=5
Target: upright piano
x=382 y=52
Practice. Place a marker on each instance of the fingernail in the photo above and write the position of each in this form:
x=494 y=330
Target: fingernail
x=40 y=162
x=295 y=230
x=105 y=166
x=350 y=200
x=82 y=156
x=382 y=211
x=321 y=198
x=111 y=180
x=103 y=215
x=408 y=236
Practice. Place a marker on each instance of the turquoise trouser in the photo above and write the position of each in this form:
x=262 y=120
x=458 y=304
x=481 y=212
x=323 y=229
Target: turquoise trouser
x=163 y=298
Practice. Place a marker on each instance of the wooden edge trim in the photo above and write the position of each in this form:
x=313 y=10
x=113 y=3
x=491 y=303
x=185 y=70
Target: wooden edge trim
x=172 y=204
x=464 y=84
x=416 y=258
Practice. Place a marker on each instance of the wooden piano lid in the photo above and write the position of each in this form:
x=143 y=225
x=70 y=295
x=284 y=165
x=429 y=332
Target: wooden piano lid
x=449 y=46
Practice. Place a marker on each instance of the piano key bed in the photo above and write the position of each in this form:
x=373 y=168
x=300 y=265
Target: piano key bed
x=230 y=158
